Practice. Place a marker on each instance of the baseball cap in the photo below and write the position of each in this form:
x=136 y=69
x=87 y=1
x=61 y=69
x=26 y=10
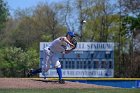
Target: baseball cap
x=71 y=34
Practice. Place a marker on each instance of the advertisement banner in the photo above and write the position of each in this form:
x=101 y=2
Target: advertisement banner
x=80 y=73
x=89 y=59
x=138 y=83
x=87 y=46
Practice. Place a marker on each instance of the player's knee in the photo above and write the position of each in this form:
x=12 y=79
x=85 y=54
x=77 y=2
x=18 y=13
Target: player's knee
x=48 y=67
x=57 y=65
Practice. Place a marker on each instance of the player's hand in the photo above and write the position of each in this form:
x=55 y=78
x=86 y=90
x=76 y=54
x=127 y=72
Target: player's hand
x=74 y=42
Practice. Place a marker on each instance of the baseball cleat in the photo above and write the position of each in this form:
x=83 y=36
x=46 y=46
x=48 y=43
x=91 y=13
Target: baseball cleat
x=29 y=74
x=61 y=81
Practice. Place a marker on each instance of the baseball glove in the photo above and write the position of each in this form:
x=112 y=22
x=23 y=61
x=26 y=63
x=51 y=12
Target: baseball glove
x=74 y=42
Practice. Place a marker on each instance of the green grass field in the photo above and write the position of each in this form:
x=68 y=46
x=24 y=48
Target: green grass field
x=93 y=90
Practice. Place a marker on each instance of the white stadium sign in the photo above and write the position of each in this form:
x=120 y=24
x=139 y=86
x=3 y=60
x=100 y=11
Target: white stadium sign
x=89 y=59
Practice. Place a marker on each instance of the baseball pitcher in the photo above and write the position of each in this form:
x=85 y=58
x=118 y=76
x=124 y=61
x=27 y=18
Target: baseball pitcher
x=57 y=47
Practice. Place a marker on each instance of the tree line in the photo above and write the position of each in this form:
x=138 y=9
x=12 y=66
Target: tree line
x=115 y=21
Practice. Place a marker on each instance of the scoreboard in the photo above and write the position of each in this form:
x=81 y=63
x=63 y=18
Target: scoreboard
x=89 y=59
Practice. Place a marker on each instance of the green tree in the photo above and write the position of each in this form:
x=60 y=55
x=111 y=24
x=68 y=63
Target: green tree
x=102 y=23
x=46 y=20
x=15 y=62
x=32 y=26
x=129 y=21
x=3 y=16
x=3 y=13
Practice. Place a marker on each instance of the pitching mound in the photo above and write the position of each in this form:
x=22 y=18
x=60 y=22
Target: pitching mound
x=34 y=83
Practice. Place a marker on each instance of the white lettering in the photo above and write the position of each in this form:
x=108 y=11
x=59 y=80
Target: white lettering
x=90 y=46
x=81 y=73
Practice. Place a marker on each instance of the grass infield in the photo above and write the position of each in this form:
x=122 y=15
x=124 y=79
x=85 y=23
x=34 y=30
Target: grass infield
x=69 y=90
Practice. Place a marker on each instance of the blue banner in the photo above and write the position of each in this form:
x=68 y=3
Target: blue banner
x=138 y=83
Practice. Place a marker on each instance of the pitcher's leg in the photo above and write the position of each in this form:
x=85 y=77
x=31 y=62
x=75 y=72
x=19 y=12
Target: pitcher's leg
x=33 y=72
x=36 y=71
x=46 y=65
x=59 y=72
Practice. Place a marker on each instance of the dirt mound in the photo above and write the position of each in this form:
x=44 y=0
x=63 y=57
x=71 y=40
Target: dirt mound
x=37 y=83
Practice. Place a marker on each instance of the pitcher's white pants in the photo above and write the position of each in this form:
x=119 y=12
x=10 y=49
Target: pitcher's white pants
x=50 y=59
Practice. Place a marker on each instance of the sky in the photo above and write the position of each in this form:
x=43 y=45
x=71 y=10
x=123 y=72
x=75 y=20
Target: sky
x=22 y=4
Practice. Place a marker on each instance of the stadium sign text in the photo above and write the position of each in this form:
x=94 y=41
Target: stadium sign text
x=87 y=46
